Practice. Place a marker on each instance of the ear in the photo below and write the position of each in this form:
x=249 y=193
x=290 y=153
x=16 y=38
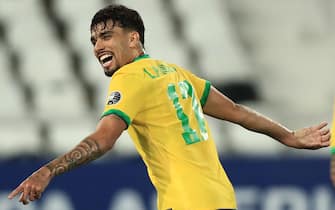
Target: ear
x=134 y=39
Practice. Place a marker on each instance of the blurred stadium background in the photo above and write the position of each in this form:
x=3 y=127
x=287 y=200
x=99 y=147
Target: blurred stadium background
x=274 y=56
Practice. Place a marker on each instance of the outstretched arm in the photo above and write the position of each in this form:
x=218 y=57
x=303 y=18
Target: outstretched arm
x=221 y=107
x=91 y=148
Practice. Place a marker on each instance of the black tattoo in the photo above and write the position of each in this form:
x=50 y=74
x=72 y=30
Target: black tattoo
x=84 y=152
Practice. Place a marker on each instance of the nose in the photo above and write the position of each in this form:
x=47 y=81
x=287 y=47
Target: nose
x=98 y=46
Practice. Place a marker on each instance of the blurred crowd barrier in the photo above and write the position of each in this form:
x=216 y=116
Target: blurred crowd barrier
x=260 y=184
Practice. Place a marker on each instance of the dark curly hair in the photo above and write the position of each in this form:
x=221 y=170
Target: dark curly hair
x=122 y=16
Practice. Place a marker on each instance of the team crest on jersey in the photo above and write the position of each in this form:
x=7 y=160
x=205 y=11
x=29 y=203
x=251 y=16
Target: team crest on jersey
x=114 y=98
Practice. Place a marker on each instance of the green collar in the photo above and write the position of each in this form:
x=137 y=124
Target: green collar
x=140 y=57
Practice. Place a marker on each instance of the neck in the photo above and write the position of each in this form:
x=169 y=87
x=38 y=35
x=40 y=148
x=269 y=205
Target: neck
x=137 y=53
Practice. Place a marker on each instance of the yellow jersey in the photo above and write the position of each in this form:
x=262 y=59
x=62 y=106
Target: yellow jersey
x=162 y=106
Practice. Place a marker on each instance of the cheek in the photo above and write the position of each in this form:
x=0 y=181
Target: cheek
x=120 y=50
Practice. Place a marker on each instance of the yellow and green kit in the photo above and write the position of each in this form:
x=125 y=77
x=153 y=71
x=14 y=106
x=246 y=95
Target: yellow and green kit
x=162 y=106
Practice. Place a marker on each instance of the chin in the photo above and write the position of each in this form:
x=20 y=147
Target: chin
x=109 y=73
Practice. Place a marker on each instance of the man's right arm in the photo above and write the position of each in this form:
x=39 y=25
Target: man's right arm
x=92 y=147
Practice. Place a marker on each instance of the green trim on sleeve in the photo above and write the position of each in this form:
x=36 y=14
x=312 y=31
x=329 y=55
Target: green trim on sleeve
x=205 y=93
x=119 y=113
x=332 y=150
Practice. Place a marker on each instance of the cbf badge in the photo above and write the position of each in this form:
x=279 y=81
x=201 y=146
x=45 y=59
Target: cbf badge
x=114 y=98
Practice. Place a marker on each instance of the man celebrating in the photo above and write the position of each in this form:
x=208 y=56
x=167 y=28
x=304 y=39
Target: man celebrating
x=162 y=106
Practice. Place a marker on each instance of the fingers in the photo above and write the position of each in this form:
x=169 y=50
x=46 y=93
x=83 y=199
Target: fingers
x=325 y=131
x=24 y=190
x=323 y=141
x=15 y=192
x=320 y=126
x=325 y=138
x=31 y=188
x=25 y=194
x=325 y=144
x=35 y=194
x=324 y=134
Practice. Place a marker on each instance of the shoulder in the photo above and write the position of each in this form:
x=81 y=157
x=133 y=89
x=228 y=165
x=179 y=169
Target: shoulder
x=129 y=71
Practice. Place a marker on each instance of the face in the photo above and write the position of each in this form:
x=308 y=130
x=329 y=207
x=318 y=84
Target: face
x=112 y=46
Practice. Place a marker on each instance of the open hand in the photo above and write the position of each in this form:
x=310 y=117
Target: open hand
x=32 y=187
x=314 y=137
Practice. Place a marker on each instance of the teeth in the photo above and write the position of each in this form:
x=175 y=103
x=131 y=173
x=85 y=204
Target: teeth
x=104 y=57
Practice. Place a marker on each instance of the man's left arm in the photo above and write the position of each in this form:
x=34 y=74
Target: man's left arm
x=221 y=107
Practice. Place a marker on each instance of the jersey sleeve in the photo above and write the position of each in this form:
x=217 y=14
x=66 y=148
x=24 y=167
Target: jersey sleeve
x=125 y=96
x=332 y=140
x=201 y=86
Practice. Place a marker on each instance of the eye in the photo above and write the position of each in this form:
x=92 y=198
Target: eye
x=93 y=41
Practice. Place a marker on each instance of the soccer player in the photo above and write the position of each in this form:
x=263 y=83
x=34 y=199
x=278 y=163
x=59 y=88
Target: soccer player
x=332 y=150
x=162 y=106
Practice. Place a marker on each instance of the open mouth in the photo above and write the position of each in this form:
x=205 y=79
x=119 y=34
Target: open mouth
x=105 y=59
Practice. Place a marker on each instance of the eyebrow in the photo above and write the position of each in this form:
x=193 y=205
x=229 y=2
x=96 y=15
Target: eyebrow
x=93 y=39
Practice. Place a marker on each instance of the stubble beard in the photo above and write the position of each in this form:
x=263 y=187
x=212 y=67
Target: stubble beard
x=110 y=72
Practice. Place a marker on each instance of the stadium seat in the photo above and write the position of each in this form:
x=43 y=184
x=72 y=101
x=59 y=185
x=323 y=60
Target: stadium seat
x=57 y=92
x=26 y=25
x=160 y=42
x=77 y=16
x=47 y=64
x=100 y=96
x=4 y=64
x=212 y=33
x=247 y=143
x=124 y=146
x=292 y=56
x=60 y=100
x=65 y=135
x=290 y=48
x=24 y=8
x=13 y=104
x=220 y=135
x=76 y=10
x=19 y=137
x=92 y=70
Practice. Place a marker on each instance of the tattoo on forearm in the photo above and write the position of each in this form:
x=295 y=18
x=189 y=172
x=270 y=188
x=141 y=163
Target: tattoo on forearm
x=85 y=152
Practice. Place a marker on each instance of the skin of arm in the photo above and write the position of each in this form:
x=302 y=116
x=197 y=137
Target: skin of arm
x=92 y=147
x=221 y=107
